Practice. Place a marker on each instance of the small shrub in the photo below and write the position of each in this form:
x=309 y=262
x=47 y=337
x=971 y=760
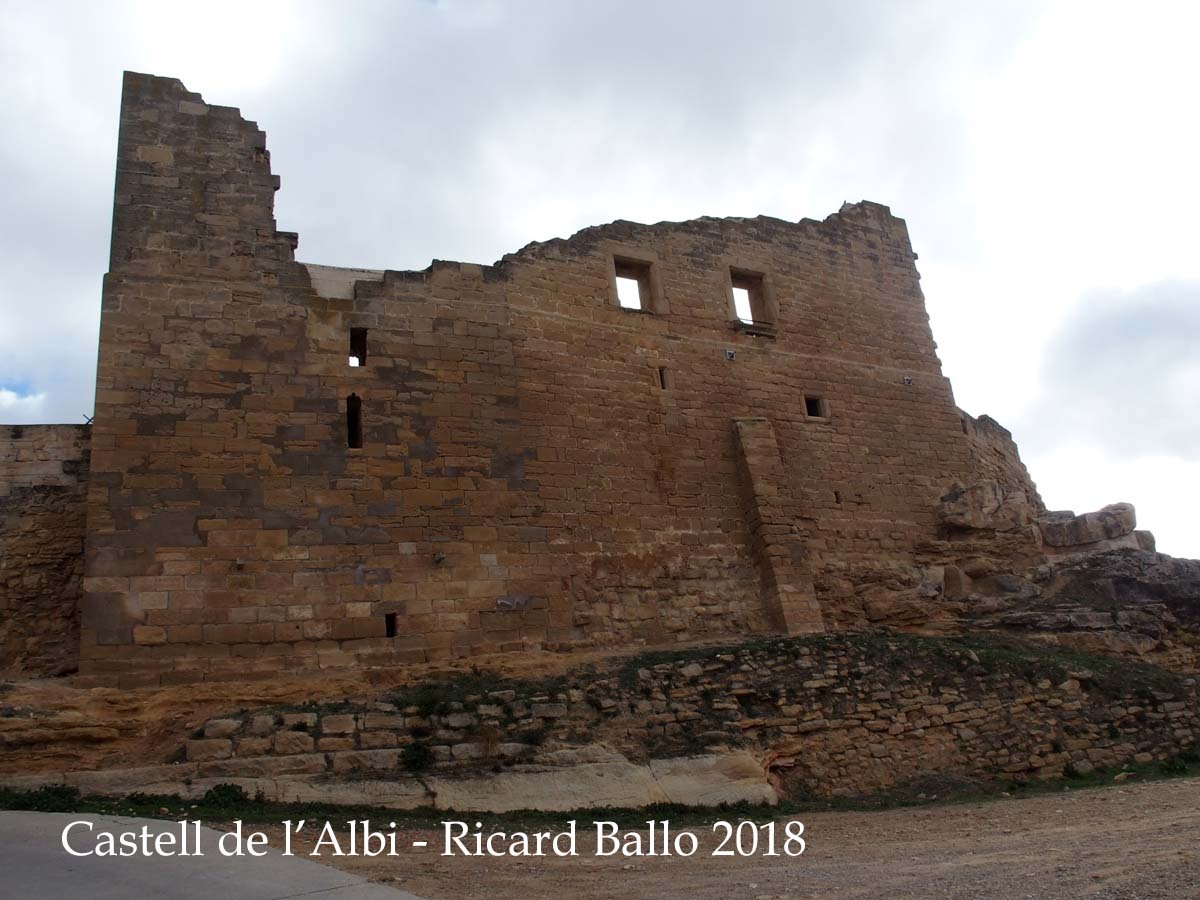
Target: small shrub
x=50 y=798
x=489 y=737
x=534 y=737
x=1176 y=765
x=429 y=699
x=225 y=795
x=416 y=757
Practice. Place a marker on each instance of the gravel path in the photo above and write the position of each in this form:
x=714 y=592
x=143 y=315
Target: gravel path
x=1122 y=841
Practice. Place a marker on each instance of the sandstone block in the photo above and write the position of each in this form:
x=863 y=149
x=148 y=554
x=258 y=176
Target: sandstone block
x=200 y=750
x=254 y=746
x=149 y=635
x=162 y=156
x=984 y=505
x=287 y=742
x=383 y=720
x=221 y=728
x=365 y=761
x=377 y=740
x=1063 y=529
x=342 y=724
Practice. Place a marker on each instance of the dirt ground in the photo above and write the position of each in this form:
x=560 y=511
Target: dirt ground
x=1124 y=841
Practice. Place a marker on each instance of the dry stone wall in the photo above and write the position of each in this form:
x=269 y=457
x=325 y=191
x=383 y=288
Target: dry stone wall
x=825 y=717
x=43 y=473
x=800 y=718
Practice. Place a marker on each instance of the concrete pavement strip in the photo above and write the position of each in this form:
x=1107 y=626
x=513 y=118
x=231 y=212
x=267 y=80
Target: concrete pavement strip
x=36 y=866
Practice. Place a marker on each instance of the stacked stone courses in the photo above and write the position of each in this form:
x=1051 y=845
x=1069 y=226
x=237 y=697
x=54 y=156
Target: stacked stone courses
x=43 y=481
x=540 y=468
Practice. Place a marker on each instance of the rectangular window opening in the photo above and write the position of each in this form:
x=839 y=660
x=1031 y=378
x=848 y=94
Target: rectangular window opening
x=749 y=298
x=633 y=284
x=389 y=624
x=741 y=304
x=664 y=378
x=816 y=407
x=629 y=293
x=354 y=429
x=358 y=346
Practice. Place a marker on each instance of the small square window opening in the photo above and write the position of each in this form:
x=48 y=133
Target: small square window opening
x=816 y=408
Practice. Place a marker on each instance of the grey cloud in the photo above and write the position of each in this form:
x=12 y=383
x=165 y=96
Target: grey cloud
x=405 y=132
x=679 y=90
x=1123 y=371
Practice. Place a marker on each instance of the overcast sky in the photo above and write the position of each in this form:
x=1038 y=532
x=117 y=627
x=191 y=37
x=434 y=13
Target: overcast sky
x=1043 y=154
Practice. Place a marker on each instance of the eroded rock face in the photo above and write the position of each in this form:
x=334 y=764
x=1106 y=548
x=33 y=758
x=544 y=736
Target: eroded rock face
x=984 y=505
x=1065 y=529
x=1126 y=603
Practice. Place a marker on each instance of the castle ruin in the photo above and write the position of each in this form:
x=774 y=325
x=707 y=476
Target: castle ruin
x=641 y=434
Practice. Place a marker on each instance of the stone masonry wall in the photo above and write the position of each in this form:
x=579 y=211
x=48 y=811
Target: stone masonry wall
x=995 y=458
x=540 y=468
x=43 y=472
x=42 y=455
x=830 y=716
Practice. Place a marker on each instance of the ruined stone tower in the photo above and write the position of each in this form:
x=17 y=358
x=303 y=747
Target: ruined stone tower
x=642 y=433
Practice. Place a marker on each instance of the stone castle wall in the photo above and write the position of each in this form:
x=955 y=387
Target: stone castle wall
x=43 y=455
x=43 y=476
x=995 y=458
x=539 y=467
